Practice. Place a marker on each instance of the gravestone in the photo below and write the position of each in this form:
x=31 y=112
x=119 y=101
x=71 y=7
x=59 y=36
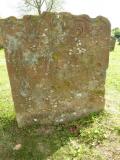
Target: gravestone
x=57 y=66
x=112 y=43
x=1 y=39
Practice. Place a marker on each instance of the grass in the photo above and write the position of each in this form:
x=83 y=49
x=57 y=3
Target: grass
x=96 y=137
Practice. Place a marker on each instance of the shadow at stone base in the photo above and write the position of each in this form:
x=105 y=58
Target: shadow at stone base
x=39 y=142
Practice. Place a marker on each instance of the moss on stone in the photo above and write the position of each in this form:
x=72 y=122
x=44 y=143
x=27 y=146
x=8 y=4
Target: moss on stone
x=55 y=56
x=98 y=92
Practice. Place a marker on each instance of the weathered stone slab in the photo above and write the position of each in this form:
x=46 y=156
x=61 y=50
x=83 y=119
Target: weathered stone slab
x=57 y=66
x=1 y=39
x=112 y=43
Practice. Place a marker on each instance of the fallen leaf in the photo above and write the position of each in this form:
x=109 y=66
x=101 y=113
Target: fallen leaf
x=17 y=147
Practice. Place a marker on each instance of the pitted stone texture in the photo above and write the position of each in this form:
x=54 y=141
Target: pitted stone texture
x=57 y=66
x=1 y=43
x=112 y=43
x=1 y=38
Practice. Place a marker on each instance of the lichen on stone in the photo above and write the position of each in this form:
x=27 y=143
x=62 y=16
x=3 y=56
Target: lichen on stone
x=57 y=65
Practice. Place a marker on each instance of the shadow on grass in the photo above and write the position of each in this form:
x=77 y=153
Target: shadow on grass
x=39 y=142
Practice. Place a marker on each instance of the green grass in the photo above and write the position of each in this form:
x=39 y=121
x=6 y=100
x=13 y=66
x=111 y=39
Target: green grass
x=96 y=137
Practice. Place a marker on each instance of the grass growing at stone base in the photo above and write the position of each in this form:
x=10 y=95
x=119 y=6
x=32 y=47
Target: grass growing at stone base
x=96 y=137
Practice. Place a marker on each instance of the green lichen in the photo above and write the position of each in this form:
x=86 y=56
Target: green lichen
x=98 y=92
x=55 y=56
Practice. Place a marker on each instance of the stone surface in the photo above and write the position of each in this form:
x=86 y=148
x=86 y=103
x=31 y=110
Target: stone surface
x=1 y=43
x=1 y=39
x=112 y=43
x=57 y=66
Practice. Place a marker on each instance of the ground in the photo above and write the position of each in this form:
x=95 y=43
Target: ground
x=96 y=137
